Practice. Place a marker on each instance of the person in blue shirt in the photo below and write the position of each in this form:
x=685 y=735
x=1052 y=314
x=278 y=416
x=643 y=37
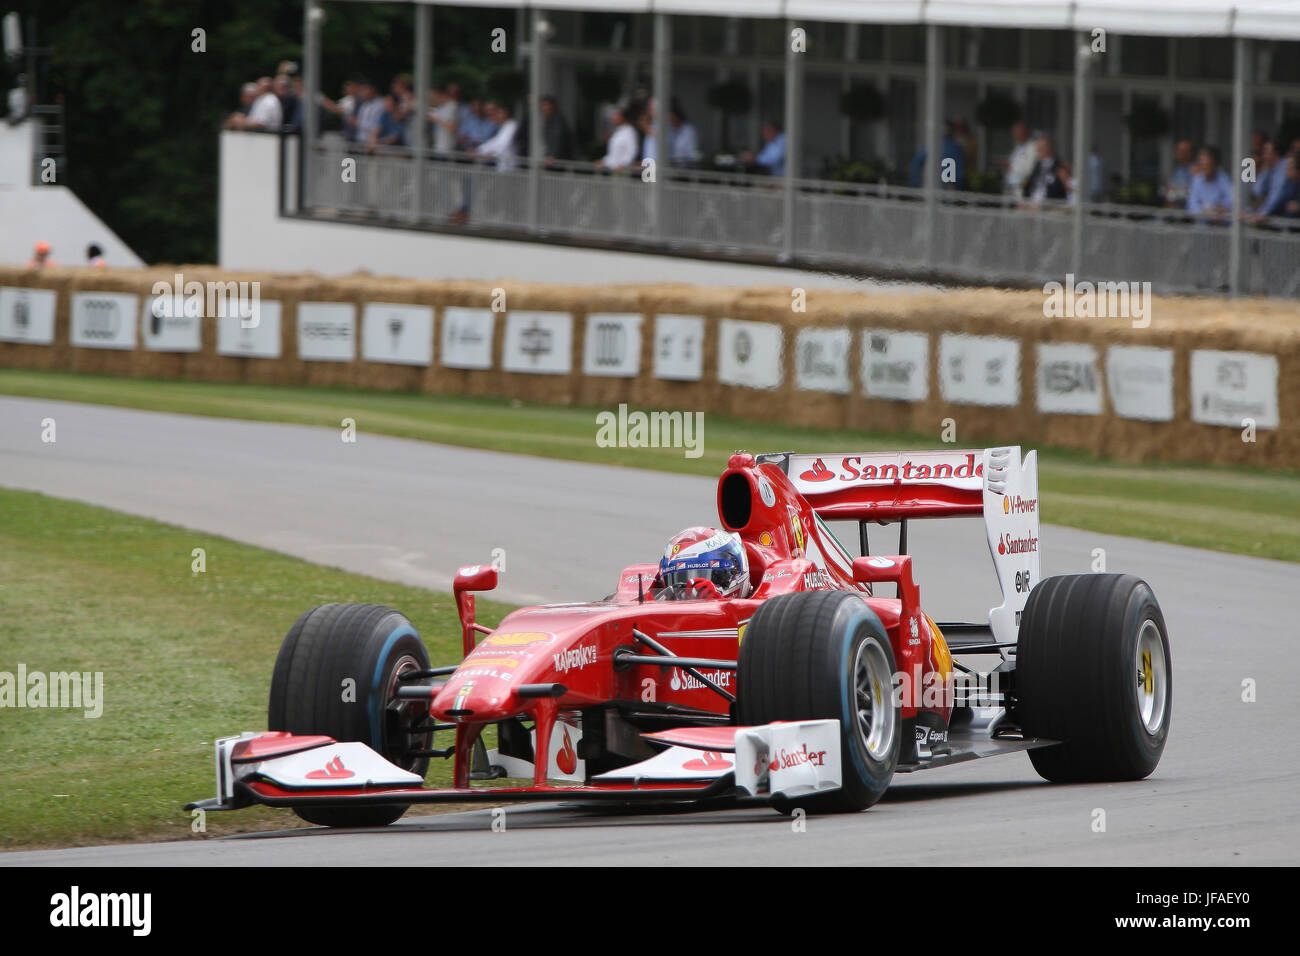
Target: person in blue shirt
x=772 y=156
x=952 y=150
x=1210 y=193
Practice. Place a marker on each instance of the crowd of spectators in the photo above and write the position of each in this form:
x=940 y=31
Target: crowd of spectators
x=1200 y=185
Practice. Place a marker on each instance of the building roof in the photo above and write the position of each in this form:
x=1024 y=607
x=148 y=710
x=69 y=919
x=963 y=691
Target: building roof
x=1263 y=19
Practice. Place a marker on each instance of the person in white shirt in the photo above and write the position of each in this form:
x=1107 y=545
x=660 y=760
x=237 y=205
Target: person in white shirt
x=1023 y=159
x=621 y=151
x=501 y=146
x=445 y=117
x=266 y=112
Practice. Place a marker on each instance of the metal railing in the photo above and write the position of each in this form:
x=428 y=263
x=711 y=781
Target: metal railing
x=845 y=226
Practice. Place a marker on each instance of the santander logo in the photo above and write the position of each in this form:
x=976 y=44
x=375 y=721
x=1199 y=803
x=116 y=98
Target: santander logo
x=818 y=472
x=567 y=758
x=785 y=759
x=334 y=770
x=709 y=760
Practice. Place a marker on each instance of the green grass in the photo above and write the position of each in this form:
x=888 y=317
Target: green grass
x=186 y=658
x=1241 y=510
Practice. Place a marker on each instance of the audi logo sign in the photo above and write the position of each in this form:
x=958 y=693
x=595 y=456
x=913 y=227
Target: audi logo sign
x=104 y=320
x=613 y=345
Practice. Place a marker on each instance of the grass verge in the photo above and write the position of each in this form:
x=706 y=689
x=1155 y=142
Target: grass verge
x=1238 y=510
x=186 y=657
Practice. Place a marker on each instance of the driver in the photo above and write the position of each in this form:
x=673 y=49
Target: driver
x=703 y=562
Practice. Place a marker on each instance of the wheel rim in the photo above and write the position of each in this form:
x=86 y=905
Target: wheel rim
x=402 y=715
x=873 y=684
x=1152 y=677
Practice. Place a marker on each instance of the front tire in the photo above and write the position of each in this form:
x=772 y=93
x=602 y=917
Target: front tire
x=1093 y=670
x=825 y=654
x=337 y=674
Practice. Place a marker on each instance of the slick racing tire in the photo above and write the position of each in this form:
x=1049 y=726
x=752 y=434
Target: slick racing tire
x=825 y=654
x=1093 y=671
x=370 y=646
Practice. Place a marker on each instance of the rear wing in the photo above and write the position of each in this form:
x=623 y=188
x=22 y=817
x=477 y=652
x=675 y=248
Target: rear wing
x=995 y=483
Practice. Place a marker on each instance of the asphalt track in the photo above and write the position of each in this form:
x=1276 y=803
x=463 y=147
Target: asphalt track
x=409 y=511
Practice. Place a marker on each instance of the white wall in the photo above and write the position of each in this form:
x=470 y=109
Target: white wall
x=251 y=235
x=51 y=212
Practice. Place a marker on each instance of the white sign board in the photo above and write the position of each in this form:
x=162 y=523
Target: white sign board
x=104 y=320
x=27 y=315
x=822 y=360
x=612 y=345
x=896 y=365
x=397 y=334
x=1229 y=387
x=979 y=370
x=466 y=338
x=679 y=347
x=166 y=328
x=1140 y=381
x=749 y=353
x=538 y=343
x=327 y=331
x=1069 y=379
x=255 y=337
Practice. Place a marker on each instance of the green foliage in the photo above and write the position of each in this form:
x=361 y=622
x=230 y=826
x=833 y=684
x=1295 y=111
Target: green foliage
x=143 y=109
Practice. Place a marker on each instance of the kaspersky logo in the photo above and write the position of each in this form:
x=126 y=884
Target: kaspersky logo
x=1014 y=504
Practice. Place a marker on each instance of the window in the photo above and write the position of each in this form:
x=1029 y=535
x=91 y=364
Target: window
x=905 y=43
x=1144 y=56
x=1285 y=67
x=999 y=49
x=1204 y=58
x=871 y=43
x=1051 y=51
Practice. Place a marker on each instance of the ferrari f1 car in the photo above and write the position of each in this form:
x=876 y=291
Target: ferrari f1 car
x=810 y=691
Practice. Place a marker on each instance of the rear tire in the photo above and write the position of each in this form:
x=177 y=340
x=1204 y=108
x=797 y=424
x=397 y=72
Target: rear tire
x=1093 y=671
x=369 y=645
x=804 y=657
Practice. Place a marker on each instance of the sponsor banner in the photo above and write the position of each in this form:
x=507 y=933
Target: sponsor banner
x=466 y=338
x=818 y=474
x=749 y=353
x=240 y=337
x=822 y=360
x=896 y=365
x=538 y=343
x=27 y=315
x=612 y=345
x=397 y=334
x=979 y=370
x=162 y=330
x=1228 y=387
x=1069 y=379
x=327 y=331
x=679 y=347
x=104 y=320
x=1140 y=381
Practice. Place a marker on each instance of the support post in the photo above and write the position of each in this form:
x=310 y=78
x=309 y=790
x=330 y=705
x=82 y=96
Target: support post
x=419 y=145
x=663 y=91
x=1240 y=93
x=793 y=138
x=312 y=16
x=1082 y=126
x=535 y=138
x=933 y=119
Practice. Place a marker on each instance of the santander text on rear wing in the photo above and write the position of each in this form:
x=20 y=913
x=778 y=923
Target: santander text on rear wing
x=896 y=486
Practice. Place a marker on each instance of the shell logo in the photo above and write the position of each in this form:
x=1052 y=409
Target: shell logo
x=519 y=639
x=1006 y=506
x=765 y=539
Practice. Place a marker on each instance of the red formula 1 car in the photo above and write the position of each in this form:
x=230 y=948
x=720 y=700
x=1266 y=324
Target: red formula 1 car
x=808 y=692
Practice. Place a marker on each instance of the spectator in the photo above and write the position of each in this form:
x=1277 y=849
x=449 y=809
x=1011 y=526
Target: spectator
x=772 y=156
x=557 y=137
x=954 y=159
x=388 y=130
x=1289 y=197
x=648 y=142
x=344 y=108
x=622 y=149
x=961 y=132
x=238 y=119
x=1180 y=180
x=501 y=146
x=1270 y=173
x=1283 y=192
x=403 y=105
x=445 y=117
x=369 y=113
x=1210 y=193
x=41 y=256
x=476 y=127
x=1023 y=158
x=95 y=256
x=1050 y=179
x=283 y=89
x=267 y=113
x=684 y=145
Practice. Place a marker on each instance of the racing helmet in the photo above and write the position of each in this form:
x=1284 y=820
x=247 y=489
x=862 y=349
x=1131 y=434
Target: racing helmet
x=702 y=560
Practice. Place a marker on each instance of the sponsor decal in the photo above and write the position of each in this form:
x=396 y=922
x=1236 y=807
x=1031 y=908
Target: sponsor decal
x=520 y=639
x=1024 y=581
x=817 y=580
x=766 y=493
x=462 y=694
x=709 y=760
x=492 y=661
x=334 y=770
x=1009 y=544
x=679 y=351
x=772 y=575
x=783 y=759
x=896 y=365
x=612 y=346
x=567 y=756
x=796 y=527
x=1015 y=504
x=930 y=735
x=765 y=539
x=852 y=469
x=822 y=360
x=682 y=680
x=818 y=472
x=575 y=658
